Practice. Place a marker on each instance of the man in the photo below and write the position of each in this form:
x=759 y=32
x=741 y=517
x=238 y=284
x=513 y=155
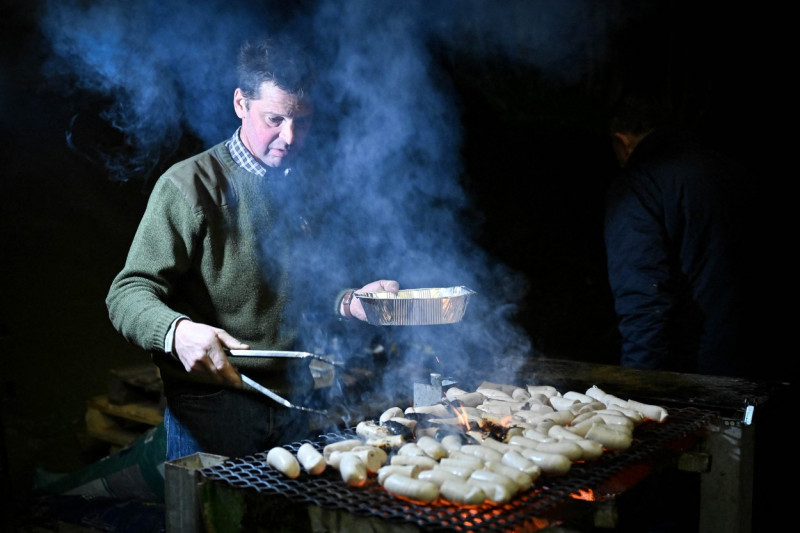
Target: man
x=675 y=244
x=208 y=271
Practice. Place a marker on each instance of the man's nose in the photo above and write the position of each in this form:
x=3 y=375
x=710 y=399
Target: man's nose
x=287 y=132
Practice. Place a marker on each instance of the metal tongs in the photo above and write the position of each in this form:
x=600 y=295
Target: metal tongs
x=278 y=354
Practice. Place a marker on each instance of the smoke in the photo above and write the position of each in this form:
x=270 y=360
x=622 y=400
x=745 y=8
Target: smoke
x=386 y=200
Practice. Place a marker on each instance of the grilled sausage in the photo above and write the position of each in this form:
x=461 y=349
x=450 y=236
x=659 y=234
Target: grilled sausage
x=353 y=470
x=284 y=461
x=311 y=460
x=411 y=488
x=459 y=491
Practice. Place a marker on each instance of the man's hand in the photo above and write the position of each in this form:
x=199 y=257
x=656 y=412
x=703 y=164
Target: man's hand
x=357 y=310
x=201 y=350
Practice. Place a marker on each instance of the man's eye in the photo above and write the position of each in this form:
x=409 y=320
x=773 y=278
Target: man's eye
x=274 y=121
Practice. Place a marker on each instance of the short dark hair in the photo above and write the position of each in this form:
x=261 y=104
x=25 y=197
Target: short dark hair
x=285 y=63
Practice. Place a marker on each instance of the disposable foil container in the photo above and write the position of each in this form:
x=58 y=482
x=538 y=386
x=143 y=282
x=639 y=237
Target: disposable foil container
x=416 y=307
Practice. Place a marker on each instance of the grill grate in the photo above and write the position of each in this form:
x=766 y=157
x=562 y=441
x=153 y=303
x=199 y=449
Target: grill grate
x=652 y=443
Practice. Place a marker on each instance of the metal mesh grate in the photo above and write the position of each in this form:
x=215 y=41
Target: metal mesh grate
x=652 y=443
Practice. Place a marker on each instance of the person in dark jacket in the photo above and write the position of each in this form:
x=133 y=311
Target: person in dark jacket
x=675 y=242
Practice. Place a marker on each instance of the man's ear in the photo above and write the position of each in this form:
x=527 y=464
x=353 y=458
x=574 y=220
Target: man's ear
x=239 y=103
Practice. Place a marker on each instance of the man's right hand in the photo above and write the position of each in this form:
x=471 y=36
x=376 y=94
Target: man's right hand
x=201 y=350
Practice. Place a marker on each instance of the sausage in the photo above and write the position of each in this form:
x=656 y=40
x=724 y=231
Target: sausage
x=284 y=461
x=484 y=452
x=650 y=412
x=414 y=489
x=423 y=461
x=523 y=480
x=567 y=448
x=452 y=443
x=550 y=463
x=353 y=470
x=591 y=449
x=574 y=395
x=562 y=403
x=311 y=460
x=515 y=460
x=494 y=493
x=459 y=491
x=411 y=448
x=467 y=399
x=431 y=447
x=610 y=437
x=538 y=436
x=406 y=470
x=439 y=475
x=392 y=412
x=501 y=447
x=342 y=446
x=547 y=390
x=437 y=410
x=373 y=457
x=460 y=468
x=493 y=477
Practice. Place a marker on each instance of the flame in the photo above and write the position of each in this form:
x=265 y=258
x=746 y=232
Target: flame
x=463 y=418
x=583 y=494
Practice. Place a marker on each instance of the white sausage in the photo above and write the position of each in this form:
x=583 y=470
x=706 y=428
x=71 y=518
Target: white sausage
x=284 y=461
x=523 y=480
x=484 y=452
x=550 y=463
x=312 y=461
x=547 y=390
x=493 y=477
x=462 y=457
x=610 y=437
x=353 y=470
x=452 y=442
x=392 y=412
x=439 y=475
x=515 y=460
x=650 y=412
x=412 y=488
x=406 y=470
x=341 y=446
x=494 y=492
x=431 y=447
x=423 y=461
x=411 y=448
x=567 y=448
x=459 y=491
x=501 y=447
x=373 y=457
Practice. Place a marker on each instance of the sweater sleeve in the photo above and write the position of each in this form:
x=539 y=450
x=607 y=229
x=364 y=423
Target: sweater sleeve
x=138 y=296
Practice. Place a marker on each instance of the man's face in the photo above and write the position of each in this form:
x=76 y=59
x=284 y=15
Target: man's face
x=275 y=125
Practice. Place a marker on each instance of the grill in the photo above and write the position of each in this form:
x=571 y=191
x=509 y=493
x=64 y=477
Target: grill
x=548 y=502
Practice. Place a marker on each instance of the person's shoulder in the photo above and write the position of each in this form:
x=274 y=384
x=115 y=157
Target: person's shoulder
x=200 y=178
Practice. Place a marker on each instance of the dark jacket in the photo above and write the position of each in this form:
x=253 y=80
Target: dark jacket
x=675 y=235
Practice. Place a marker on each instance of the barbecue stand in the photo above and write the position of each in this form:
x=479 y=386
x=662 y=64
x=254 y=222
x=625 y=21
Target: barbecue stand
x=711 y=430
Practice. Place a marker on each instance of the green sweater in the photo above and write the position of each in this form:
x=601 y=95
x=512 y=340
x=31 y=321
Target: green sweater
x=200 y=251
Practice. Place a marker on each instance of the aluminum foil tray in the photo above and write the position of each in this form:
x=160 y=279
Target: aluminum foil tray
x=416 y=307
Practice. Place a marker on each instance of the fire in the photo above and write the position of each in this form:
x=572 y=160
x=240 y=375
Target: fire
x=463 y=418
x=583 y=494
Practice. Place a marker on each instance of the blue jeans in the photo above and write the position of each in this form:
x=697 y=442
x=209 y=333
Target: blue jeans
x=230 y=423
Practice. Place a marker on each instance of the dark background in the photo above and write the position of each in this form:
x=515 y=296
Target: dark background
x=537 y=163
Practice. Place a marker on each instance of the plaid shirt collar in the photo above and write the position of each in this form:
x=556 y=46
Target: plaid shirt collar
x=242 y=156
